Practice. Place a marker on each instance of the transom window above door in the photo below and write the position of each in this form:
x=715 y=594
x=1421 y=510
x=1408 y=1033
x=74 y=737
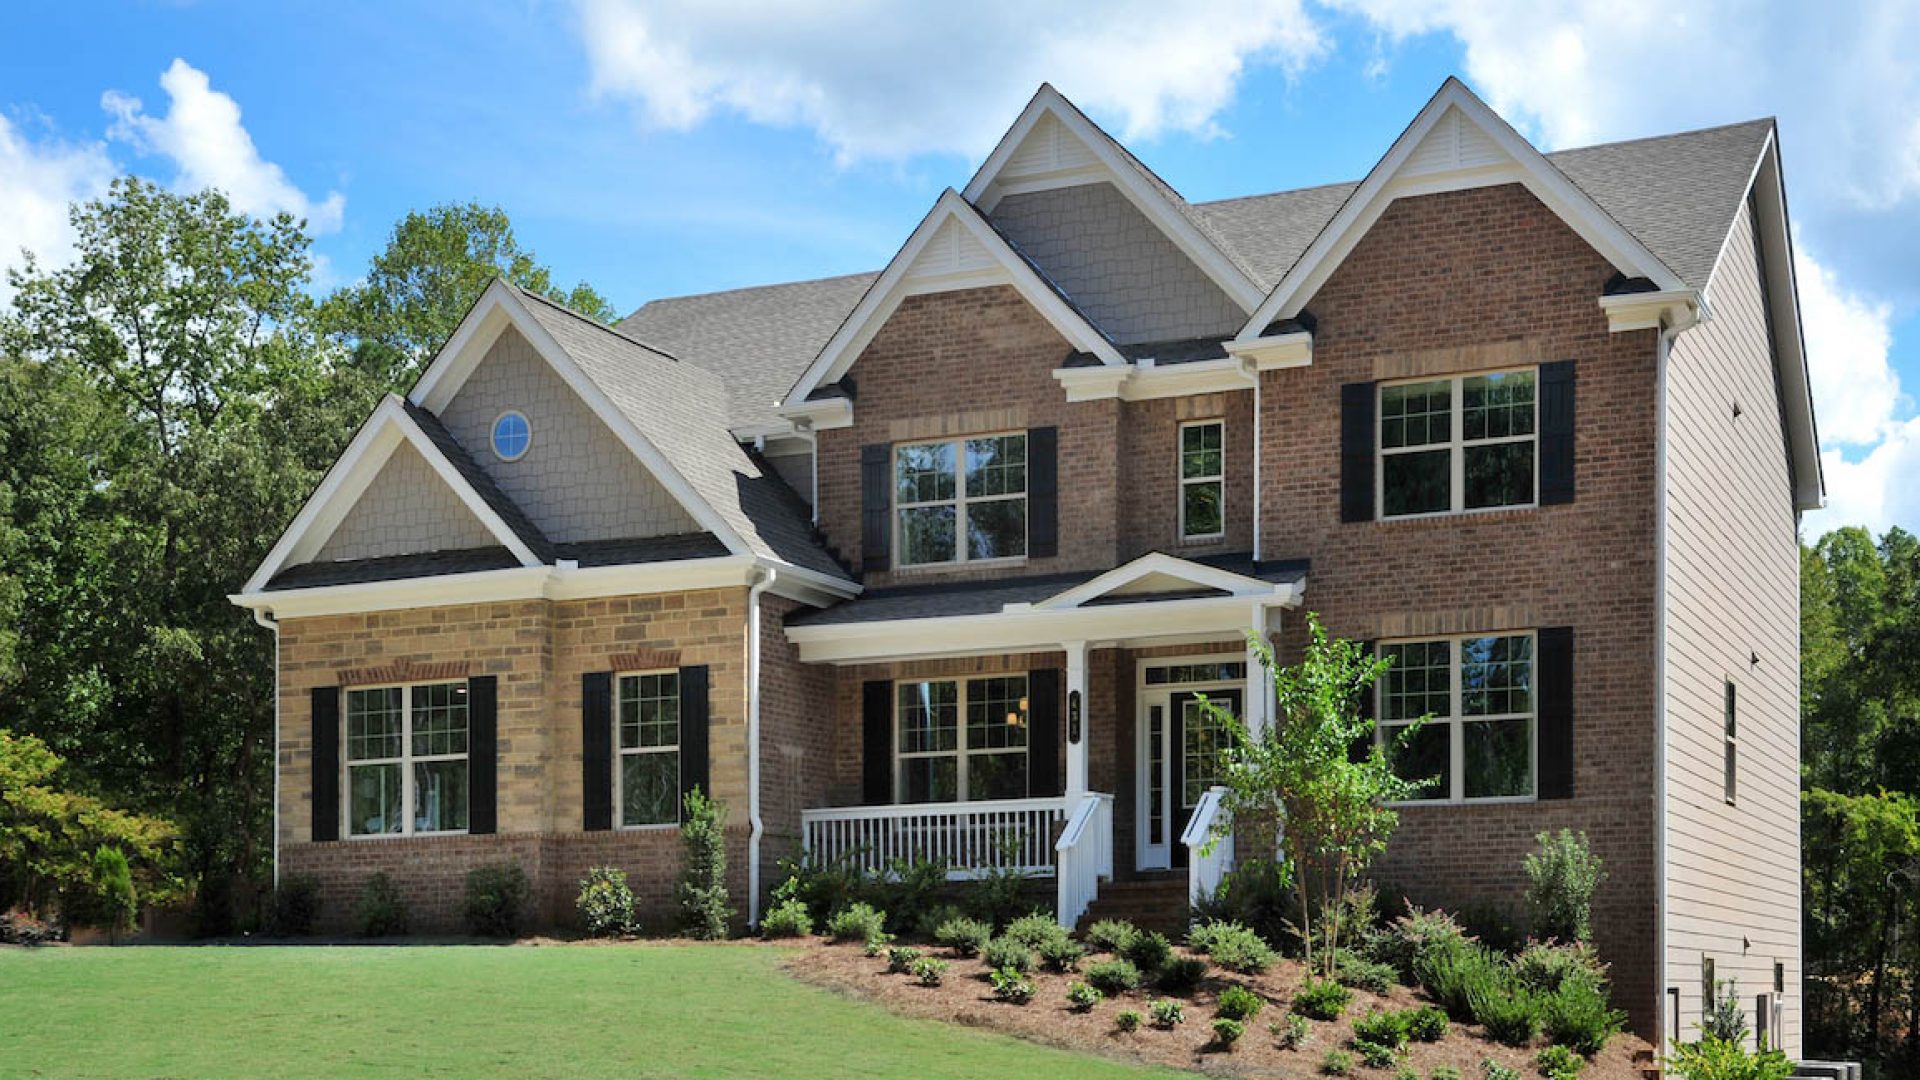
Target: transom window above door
x=1458 y=444
x=961 y=500
x=1477 y=694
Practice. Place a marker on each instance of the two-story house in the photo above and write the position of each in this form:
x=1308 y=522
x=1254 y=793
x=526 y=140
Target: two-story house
x=933 y=562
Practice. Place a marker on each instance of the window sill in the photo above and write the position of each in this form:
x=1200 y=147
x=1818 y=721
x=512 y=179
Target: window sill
x=363 y=837
x=1209 y=540
x=1447 y=517
x=1442 y=804
x=665 y=826
x=918 y=569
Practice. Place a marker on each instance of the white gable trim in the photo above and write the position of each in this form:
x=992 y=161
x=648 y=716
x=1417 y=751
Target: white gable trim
x=341 y=488
x=952 y=248
x=1470 y=147
x=500 y=307
x=1076 y=152
x=1159 y=564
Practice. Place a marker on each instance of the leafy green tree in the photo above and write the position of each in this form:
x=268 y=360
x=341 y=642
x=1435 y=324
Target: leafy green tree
x=418 y=289
x=50 y=833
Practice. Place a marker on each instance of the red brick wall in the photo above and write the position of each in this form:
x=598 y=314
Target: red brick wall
x=799 y=761
x=1452 y=282
x=1149 y=505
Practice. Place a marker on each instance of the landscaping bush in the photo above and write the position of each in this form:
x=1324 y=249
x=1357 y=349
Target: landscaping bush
x=1062 y=953
x=1407 y=938
x=1579 y=1017
x=1238 y=1003
x=1083 y=997
x=1511 y=1014
x=1559 y=1063
x=295 y=906
x=382 y=911
x=906 y=889
x=998 y=895
x=605 y=902
x=104 y=896
x=1386 y=1028
x=1546 y=966
x=1445 y=1072
x=1352 y=969
x=929 y=971
x=1227 y=1031
x=1427 y=1024
x=1375 y=1055
x=1034 y=929
x=1562 y=877
x=901 y=958
x=1181 y=975
x=703 y=885
x=1111 y=935
x=1200 y=934
x=497 y=896
x=1012 y=986
x=789 y=918
x=1006 y=953
x=1293 y=1032
x=1496 y=1071
x=1148 y=951
x=1718 y=1059
x=966 y=937
x=1321 y=999
x=1127 y=1019
x=1237 y=948
x=926 y=925
x=824 y=889
x=858 y=922
x=1350 y=921
x=1113 y=977
x=1167 y=1013
x=1337 y=1063
x=19 y=928
x=1493 y=925
x=1406 y=1072
x=876 y=945
x=1451 y=973
x=1726 y=1021
x=1256 y=895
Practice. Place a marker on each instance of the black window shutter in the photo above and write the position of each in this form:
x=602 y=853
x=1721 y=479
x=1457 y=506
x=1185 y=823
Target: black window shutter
x=326 y=763
x=1043 y=493
x=1356 y=452
x=596 y=750
x=1043 y=733
x=694 y=696
x=1556 y=432
x=483 y=752
x=876 y=742
x=876 y=505
x=1363 y=746
x=1555 y=702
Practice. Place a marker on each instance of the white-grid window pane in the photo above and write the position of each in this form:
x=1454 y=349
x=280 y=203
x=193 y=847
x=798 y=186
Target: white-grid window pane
x=1420 y=681
x=1497 y=406
x=1202 y=451
x=1480 y=743
x=649 y=711
x=439 y=796
x=1465 y=443
x=439 y=719
x=1416 y=414
x=925 y=473
x=1496 y=675
x=961 y=500
x=374 y=799
x=929 y=717
x=374 y=720
x=997 y=466
x=406 y=752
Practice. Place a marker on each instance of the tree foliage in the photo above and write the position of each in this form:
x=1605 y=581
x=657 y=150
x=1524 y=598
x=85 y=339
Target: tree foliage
x=51 y=837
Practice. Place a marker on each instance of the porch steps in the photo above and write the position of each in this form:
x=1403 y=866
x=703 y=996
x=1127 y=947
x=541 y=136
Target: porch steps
x=1154 y=903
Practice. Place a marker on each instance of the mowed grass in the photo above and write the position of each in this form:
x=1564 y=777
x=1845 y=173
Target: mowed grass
x=641 y=1010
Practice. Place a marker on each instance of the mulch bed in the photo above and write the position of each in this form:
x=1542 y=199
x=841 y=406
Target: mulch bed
x=966 y=997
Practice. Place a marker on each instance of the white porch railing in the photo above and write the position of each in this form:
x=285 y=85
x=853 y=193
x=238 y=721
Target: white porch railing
x=1085 y=850
x=1206 y=868
x=967 y=837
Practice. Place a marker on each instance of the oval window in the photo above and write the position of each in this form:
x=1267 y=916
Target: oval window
x=511 y=436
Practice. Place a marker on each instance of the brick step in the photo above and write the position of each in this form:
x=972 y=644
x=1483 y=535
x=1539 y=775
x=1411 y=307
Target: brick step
x=1152 y=904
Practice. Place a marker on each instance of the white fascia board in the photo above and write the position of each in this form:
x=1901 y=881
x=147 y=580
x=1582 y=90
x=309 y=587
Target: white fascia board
x=1159 y=562
x=1092 y=383
x=464 y=350
x=347 y=480
x=1384 y=184
x=1273 y=353
x=1675 y=309
x=1027 y=629
x=1783 y=299
x=896 y=284
x=1144 y=381
x=823 y=415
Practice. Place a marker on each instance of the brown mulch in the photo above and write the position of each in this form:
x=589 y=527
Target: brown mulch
x=966 y=997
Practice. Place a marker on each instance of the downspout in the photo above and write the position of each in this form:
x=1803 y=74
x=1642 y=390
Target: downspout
x=1247 y=368
x=260 y=616
x=756 y=827
x=1661 y=386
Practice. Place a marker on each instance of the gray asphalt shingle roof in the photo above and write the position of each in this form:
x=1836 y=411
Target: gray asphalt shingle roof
x=482 y=483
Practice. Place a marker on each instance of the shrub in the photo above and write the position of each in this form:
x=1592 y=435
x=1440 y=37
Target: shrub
x=1546 y=966
x=1726 y=1021
x=998 y=894
x=1166 y=1013
x=966 y=937
x=929 y=971
x=876 y=945
x=1406 y=1072
x=1453 y=973
x=1127 y=1019
x=1034 y=930
x=1337 y=1063
x=1561 y=878
x=1010 y=985
x=497 y=895
x=1511 y=1014
x=1293 y=1032
x=907 y=890
x=382 y=912
x=1148 y=951
x=1496 y=1071
x=1237 y=948
x=1352 y=969
x=1445 y=1072
x=1427 y=1024
x=1181 y=975
x=1321 y=999
x=1227 y=1031
x=1493 y=925
x=1113 y=977
x=296 y=906
x=1579 y=1016
x=789 y=918
x=1349 y=921
x=1718 y=1059
x=703 y=885
x=1376 y=1055
x=1062 y=953
x=1004 y=952
x=1559 y=1063
x=1386 y=1028
x=19 y=928
x=1083 y=997
x=1413 y=935
x=1256 y=894
x=1238 y=1003
x=858 y=922
x=901 y=958
x=927 y=924
x=605 y=902
x=112 y=903
x=1111 y=935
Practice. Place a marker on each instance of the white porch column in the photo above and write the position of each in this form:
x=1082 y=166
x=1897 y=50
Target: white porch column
x=1259 y=706
x=1076 y=718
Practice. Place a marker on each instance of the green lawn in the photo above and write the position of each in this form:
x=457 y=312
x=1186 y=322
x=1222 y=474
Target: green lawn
x=469 y=1011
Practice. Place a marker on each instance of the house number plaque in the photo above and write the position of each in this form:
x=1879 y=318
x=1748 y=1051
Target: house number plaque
x=1073 y=716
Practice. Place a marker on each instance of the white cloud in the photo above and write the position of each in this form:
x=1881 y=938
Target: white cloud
x=206 y=141
x=880 y=81
x=1855 y=388
x=37 y=181
x=1877 y=491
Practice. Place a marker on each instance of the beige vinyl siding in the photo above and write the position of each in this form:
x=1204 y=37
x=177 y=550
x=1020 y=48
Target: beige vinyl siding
x=407 y=509
x=577 y=480
x=1732 y=592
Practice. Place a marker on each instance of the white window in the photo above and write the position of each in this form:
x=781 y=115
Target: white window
x=406 y=760
x=938 y=758
x=512 y=435
x=1477 y=693
x=1730 y=779
x=1457 y=444
x=1203 y=484
x=647 y=777
x=961 y=500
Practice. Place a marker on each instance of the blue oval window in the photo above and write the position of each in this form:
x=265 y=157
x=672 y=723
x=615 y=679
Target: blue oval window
x=511 y=436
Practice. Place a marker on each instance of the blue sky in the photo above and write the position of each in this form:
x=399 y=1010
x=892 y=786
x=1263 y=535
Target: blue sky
x=680 y=146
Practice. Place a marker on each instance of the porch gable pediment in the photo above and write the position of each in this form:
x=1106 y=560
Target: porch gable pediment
x=1157 y=575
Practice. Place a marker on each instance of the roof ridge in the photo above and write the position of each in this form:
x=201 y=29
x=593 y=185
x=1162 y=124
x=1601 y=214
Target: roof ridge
x=595 y=323
x=1708 y=130
x=752 y=288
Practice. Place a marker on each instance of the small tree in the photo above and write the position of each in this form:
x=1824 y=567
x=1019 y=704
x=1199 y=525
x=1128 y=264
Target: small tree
x=1301 y=771
x=1562 y=878
x=703 y=892
x=116 y=902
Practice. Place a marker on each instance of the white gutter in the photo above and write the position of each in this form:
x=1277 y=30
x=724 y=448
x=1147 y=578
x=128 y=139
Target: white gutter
x=1662 y=384
x=757 y=828
x=265 y=618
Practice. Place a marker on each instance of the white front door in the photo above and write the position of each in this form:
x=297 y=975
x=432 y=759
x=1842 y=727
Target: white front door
x=1174 y=746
